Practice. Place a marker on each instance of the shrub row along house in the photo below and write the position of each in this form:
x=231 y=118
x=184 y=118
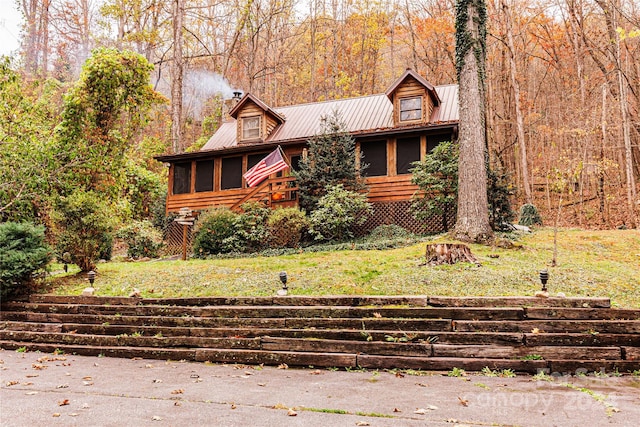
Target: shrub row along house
x=392 y=130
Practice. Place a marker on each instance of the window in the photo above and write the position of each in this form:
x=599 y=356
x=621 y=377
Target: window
x=411 y=109
x=204 y=175
x=295 y=162
x=181 y=178
x=253 y=159
x=251 y=127
x=434 y=140
x=231 y=173
x=374 y=154
x=407 y=152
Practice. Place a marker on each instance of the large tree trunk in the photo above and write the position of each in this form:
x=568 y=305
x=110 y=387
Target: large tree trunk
x=473 y=209
x=176 y=78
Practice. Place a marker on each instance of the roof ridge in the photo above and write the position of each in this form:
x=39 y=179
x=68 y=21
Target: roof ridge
x=330 y=100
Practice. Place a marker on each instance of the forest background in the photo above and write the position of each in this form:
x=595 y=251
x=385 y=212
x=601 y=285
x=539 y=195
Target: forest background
x=563 y=80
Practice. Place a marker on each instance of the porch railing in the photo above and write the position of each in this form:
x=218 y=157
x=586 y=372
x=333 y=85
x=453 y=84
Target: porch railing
x=272 y=192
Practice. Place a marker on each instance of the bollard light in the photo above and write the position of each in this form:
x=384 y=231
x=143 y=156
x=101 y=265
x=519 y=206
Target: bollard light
x=283 y=279
x=544 y=277
x=91 y=276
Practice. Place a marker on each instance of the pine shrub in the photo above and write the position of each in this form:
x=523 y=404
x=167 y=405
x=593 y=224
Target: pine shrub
x=23 y=251
x=529 y=215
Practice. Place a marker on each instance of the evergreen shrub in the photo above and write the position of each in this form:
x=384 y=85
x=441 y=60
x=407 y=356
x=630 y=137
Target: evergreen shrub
x=23 y=251
x=529 y=215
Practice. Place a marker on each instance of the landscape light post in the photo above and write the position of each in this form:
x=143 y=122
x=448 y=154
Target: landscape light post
x=283 y=278
x=544 y=277
x=92 y=277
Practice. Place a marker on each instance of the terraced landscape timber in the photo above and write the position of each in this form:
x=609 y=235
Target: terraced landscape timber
x=525 y=334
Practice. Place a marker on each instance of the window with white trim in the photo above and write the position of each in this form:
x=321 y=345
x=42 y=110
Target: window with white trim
x=411 y=109
x=251 y=127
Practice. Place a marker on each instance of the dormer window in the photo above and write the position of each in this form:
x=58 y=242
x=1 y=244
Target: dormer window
x=411 y=109
x=250 y=127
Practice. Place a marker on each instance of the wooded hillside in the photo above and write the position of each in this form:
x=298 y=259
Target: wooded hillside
x=563 y=77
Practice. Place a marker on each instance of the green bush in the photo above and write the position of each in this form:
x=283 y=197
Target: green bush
x=23 y=251
x=529 y=215
x=142 y=239
x=286 y=227
x=83 y=224
x=338 y=211
x=251 y=227
x=214 y=233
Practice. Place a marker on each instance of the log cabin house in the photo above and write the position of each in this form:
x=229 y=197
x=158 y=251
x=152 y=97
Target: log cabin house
x=392 y=130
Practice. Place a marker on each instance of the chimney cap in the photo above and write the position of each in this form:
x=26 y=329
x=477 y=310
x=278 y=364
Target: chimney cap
x=237 y=94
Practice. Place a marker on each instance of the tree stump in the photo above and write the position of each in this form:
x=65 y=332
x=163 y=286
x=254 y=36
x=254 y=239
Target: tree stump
x=449 y=253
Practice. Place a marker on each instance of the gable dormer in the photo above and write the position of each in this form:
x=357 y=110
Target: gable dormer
x=413 y=98
x=255 y=120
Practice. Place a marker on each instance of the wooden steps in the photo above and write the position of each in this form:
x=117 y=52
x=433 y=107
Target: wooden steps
x=379 y=332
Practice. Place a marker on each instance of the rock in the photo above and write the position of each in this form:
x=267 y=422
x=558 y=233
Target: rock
x=542 y=294
x=88 y=292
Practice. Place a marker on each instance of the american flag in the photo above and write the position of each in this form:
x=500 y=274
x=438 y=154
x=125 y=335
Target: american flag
x=273 y=163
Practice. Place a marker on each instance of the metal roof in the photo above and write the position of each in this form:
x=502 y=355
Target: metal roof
x=361 y=115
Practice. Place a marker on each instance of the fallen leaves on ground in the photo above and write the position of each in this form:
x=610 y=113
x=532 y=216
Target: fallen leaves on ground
x=396 y=410
x=422 y=411
x=177 y=391
x=64 y=402
x=291 y=413
x=463 y=402
x=38 y=366
x=362 y=423
x=156 y=418
x=10 y=383
x=283 y=366
x=56 y=415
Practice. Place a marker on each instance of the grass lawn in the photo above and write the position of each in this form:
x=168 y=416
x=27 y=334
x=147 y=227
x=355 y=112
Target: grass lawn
x=590 y=263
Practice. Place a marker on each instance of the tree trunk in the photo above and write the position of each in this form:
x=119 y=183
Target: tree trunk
x=176 y=78
x=516 y=95
x=473 y=209
x=449 y=253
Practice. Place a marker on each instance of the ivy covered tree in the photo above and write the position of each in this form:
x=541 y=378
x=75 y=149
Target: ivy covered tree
x=471 y=36
x=102 y=113
x=331 y=160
